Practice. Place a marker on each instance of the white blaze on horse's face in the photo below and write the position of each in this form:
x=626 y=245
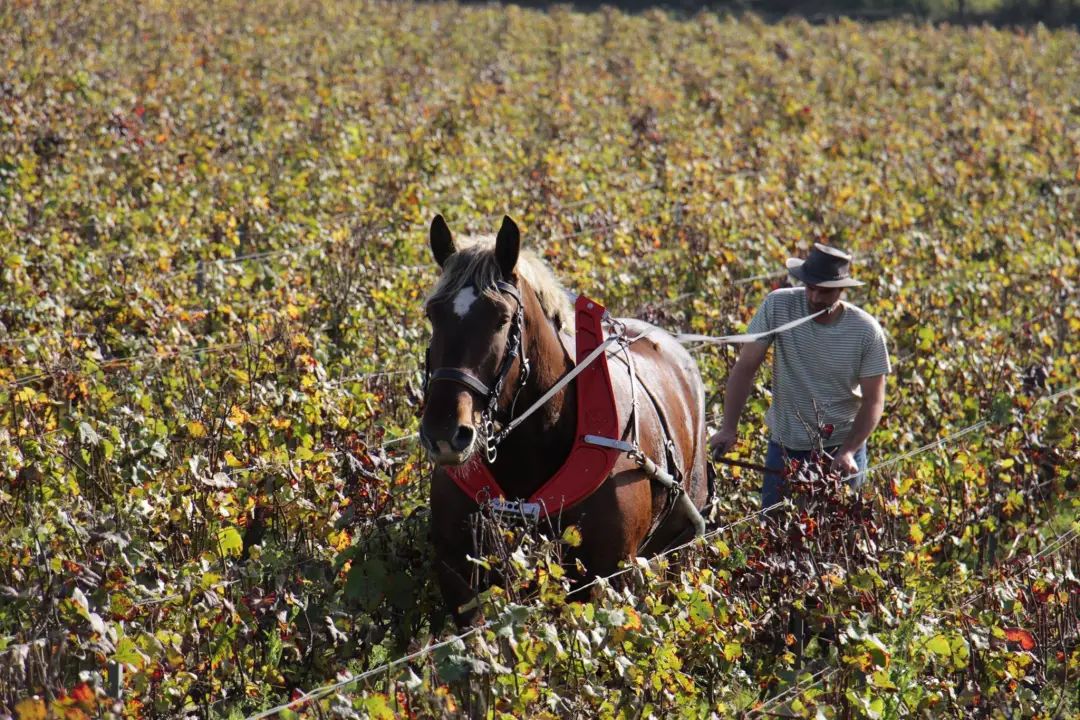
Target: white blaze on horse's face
x=463 y=301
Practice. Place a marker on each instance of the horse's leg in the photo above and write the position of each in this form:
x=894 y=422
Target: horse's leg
x=452 y=540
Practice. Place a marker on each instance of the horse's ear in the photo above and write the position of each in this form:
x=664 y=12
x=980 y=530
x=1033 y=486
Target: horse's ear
x=442 y=242
x=507 y=246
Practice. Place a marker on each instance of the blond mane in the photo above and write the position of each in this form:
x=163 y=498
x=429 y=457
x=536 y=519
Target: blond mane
x=474 y=264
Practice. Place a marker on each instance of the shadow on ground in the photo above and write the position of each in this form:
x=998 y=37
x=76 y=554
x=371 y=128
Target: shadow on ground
x=1006 y=13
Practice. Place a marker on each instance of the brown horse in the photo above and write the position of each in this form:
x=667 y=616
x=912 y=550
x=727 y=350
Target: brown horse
x=478 y=335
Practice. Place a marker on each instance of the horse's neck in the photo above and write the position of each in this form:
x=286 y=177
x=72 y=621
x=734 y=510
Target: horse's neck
x=539 y=446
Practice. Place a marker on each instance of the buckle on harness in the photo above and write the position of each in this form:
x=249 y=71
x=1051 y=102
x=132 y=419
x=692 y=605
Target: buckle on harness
x=516 y=509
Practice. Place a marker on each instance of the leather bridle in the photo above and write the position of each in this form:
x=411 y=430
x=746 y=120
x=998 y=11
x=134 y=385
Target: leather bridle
x=489 y=394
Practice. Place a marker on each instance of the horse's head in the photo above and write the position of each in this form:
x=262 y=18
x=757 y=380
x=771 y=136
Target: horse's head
x=476 y=352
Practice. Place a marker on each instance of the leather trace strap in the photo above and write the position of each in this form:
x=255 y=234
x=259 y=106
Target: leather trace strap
x=587 y=466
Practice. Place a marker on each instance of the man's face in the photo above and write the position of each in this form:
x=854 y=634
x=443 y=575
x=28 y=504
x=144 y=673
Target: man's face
x=820 y=298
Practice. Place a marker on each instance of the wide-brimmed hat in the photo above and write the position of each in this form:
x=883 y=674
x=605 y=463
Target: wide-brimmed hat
x=825 y=266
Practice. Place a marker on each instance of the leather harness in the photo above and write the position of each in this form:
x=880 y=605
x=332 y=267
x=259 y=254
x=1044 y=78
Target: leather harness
x=594 y=452
x=587 y=466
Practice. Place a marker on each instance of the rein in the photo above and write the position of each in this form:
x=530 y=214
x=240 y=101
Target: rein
x=619 y=336
x=514 y=348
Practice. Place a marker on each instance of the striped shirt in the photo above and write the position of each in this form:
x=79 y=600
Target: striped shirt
x=816 y=369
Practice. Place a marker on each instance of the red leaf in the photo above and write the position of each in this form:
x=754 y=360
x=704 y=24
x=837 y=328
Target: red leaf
x=1016 y=635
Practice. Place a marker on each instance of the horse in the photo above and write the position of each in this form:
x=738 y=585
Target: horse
x=497 y=313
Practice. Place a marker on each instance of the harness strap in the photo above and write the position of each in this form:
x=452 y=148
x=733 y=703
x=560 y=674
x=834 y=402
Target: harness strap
x=671 y=478
x=676 y=492
x=586 y=467
x=563 y=382
x=462 y=377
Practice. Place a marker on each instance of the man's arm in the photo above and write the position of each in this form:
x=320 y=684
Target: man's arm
x=737 y=391
x=873 y=402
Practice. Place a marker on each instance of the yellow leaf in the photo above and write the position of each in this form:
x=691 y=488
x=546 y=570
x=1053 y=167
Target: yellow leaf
x=915 y=533
x=939 y=645
x=633 y=619
x=31 y=709
x=196 y=429
x=238 y=416
x=378 y=708
x=128 y=652
x=231 y=460
x=403 y=475
x=340 y=541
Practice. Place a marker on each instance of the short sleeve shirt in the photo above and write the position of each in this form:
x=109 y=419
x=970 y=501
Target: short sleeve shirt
x=817 y=368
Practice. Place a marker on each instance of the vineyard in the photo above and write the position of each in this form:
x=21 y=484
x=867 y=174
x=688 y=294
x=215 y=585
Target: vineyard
x=213 y=235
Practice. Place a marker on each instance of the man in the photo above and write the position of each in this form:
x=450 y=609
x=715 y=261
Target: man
x=828 y=380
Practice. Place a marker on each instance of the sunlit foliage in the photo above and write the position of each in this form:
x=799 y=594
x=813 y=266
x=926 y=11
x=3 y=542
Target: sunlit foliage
x=212 y=258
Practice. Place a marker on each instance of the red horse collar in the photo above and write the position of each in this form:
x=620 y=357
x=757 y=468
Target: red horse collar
x=587 y=465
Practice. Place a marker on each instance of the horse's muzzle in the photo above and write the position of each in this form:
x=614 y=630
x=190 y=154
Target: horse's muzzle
x=452 y=450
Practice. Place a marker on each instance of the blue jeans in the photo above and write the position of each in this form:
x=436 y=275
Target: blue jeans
x=772 y=488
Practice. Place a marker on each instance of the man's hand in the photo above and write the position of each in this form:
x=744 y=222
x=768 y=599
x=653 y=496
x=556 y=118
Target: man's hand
x=844 y=463
x=722 y=442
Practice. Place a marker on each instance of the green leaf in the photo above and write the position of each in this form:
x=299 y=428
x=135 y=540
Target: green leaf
x=939 y=645
x=366 y=583
x=881 y=680
x=127 y=652
x=230 y=541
